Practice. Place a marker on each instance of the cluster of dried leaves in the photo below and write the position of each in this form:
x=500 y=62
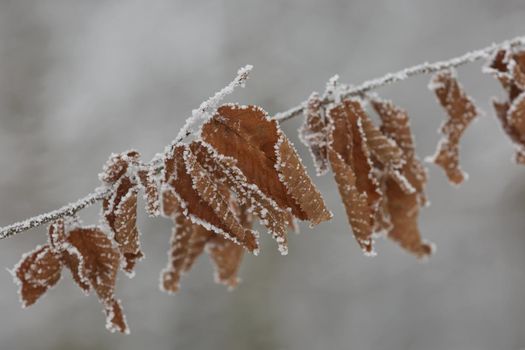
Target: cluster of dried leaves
x=241 y=167
x=379 y=177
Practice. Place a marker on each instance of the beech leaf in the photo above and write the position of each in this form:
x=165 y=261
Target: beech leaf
x=266 y=158
x=37 y=272
x=314 y=134
x=353 y=170
x=461 y=112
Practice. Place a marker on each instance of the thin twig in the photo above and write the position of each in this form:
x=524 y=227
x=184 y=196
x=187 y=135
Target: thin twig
x=390 y=78
x=67 y=210
x=424 y=68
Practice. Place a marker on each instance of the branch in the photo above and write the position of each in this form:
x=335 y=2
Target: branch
x=423 y=68
x=242 y=75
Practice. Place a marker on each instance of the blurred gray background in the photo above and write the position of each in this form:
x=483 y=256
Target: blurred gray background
x=82 y=79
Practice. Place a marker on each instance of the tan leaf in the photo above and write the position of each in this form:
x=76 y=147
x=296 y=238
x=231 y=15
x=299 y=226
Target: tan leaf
x=178 y=254
x=169 y=203
x=461 y=112
x=512 y=118
x=73 y=260
x=352 y=167
x=402 y=208
x=266 y=158
x=151 y=192
x=360 y=214
x=498 y=66
x=120 y=212
x=98 y=259
x=56 y=235
x=187 y=244
x=386 y=151
x=223 y=169
x=396 y=125
x=314 y=132
x=509 y=67
x=516 y=118
x=217 y=197
x=404 y=211
x=518 y=69
x=117 y=165
x=37 y=272
x=226 y=257
x=115 y=318
x=203 y=210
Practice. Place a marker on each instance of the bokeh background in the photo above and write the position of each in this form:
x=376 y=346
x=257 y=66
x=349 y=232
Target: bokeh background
x=82 y=79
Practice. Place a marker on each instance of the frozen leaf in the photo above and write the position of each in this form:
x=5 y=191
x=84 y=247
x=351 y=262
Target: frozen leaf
x=266 y=158
x=517 y=67
x=151 y=193
x=224 y=170
x=226 y=257
x=56 y=235
x=120 y=209
x=37 y=272
x=508 y=65
x=73 y=260
x=516 y=118
x=399 y=207
x=98 y=259
x=298 y=183
x=352 y=167
x=217 y=197
x=461 y=111
x=201 y=199
x=178 y=254
x=396 y=125
x=387 y=153
x=115 y=319
x=117 y=166
x=169 y=203
x=314 y=132
x=512 y=118
x=403 y=209
x=187 y=244
x=360 y=214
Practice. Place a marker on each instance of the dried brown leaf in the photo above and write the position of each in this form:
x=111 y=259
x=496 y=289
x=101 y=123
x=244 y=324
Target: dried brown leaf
x=120 y=213
x=352 y=167
x=266 y=158
x=98 y=259
x=404 y=211
x=360 y=214
x=179 y=247
x=314 y=133
x=461 y=112
x=187 y=244
x=224 y=170
x=226 y=257
x=115 y=318
x=117 y=165
x=151 y=192
x=201 y=199
x=402 y=208
x=396 y=125
x=37 y=272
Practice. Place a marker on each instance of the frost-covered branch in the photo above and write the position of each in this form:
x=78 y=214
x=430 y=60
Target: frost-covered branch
x=423 y=68
x=66 y=211
x=207 y=108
